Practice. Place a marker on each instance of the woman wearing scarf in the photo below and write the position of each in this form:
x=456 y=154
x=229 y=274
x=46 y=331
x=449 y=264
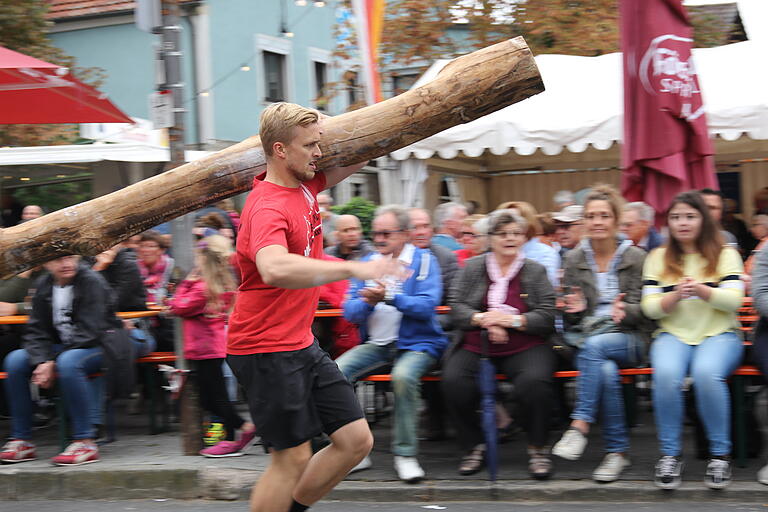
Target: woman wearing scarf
x=157 y=270
x=155 y=266
x=603 y=281
x=512 y=298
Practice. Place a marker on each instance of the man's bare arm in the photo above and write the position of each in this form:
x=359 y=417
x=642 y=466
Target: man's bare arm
x=280 y=268
x=338 y=174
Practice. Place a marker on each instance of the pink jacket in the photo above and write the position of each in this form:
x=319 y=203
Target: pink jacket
x=205 y=332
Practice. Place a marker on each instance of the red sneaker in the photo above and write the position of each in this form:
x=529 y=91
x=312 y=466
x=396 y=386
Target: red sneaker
x=17 y=450
x=77 y=453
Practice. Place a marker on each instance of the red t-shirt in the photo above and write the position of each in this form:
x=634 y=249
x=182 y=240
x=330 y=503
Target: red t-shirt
x=267 y=318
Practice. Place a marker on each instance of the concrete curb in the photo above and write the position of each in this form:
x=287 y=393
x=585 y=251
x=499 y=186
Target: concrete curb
x=69 y=483
x=235 y=484
x=554 y=491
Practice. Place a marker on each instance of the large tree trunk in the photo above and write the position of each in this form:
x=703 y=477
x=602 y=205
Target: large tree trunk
x=468 y=88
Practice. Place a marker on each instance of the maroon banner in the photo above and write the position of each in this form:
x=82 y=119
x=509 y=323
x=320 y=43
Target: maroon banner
x=666 y=147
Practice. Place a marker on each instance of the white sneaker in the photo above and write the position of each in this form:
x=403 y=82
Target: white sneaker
x=610 y=469
x=363 y=464
x=408 y=469
x=571 y=445
x=762 y=475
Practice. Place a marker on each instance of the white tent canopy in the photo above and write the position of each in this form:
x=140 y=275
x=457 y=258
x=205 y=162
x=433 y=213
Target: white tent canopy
x=583 y=106
x=86 y=153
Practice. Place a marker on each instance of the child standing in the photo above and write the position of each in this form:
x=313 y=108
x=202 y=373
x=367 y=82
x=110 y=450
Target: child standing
x=204 y=300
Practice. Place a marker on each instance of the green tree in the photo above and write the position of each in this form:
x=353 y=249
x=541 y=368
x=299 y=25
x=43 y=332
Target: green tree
x=24 y=29
x=570 y=27
x=55 y=196
x=417 y=30
x=361 y=208
x=488 y=21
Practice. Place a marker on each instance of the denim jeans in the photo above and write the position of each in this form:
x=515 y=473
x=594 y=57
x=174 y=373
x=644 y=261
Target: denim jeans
x=598 y=386
x=143 y=341
x=72 y=368
x=409 y=367
x=710 y=364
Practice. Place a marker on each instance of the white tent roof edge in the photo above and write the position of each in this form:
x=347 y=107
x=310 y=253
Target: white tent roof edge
x=86 y=153
x=733 y=78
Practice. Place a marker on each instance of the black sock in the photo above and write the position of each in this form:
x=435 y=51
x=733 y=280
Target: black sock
x=298 y=507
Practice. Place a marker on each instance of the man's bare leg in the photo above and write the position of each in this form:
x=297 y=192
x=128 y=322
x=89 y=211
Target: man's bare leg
x=274 y=490
x=349 y=445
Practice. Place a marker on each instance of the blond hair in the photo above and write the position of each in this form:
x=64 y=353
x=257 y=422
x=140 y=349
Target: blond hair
x=607 y=193
x=470 y=221
x=278 y=120
x=215 y=269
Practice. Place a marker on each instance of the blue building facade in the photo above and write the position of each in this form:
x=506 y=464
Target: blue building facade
x=238 y=57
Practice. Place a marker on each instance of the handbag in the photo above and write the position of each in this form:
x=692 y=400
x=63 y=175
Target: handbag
x=565 y=353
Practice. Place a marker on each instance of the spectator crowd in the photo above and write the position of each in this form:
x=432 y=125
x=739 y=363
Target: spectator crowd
x=596 y=278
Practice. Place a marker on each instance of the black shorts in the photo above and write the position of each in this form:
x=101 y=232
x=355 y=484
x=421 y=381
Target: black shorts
x=294 y=396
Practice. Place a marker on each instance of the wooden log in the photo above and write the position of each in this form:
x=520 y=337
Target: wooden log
x=470 y=87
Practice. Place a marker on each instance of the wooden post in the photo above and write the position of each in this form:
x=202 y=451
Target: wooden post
x=470 y=87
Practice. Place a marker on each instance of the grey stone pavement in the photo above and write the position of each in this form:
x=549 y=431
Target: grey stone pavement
x=142 y=466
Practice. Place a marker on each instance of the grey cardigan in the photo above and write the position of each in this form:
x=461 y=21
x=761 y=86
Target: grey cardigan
x=577 y=272
x=470 y=287
x=760 y=287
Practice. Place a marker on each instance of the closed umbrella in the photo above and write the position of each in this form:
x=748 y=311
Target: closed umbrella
x=486 y=381
x=33 y=91
x=666 y=147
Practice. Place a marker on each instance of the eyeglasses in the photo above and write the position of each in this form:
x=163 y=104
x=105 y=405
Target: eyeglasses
x=507 y=234
x=603 y=216
x=469 y=234
x=385 y=234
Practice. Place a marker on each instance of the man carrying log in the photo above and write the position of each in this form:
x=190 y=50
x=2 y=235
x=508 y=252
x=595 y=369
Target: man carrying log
x=294 y=390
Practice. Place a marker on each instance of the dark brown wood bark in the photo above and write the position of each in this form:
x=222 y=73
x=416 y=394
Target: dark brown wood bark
x=468 y=88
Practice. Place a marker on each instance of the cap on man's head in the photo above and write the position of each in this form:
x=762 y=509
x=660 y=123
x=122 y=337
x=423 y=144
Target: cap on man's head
x=572 y=213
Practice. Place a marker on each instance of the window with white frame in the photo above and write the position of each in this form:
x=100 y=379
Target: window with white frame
x=274 y=77
x=319 y=67
x=274 y=61
x=353 y=87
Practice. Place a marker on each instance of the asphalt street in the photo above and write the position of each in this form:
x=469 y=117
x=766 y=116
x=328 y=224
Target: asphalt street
x=341 y=506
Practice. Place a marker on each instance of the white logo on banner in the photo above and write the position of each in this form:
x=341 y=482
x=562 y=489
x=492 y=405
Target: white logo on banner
x=664 y=70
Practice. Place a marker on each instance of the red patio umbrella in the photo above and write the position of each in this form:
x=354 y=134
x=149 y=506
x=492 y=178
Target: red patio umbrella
x=33 y=91
x=666 y=148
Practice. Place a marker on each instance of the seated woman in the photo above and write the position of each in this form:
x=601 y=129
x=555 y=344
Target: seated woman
x=693 y=287
x=473 y=238
x=158 y=272
x=511 y=297
x=72 y=315
x=604 y=277
x=534 y=248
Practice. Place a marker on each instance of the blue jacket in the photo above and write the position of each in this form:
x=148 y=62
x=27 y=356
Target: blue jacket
x=422 y=292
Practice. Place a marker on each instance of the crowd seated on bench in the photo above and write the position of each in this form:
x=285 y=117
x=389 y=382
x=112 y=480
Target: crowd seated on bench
x=609 y=302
